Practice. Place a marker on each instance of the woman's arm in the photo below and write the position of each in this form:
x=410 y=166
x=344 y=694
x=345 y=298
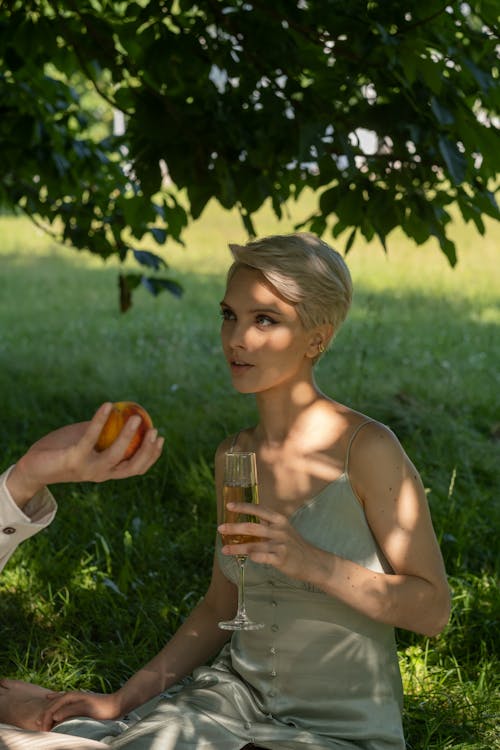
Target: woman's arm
x=416 y=595
x=197 y=640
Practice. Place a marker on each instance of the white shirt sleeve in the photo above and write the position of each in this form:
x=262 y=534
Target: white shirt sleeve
x=16 y=525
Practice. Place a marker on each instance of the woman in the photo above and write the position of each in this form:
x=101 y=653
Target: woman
x=344 y=550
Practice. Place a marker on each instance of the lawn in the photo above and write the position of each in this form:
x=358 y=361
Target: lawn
x=91 y=599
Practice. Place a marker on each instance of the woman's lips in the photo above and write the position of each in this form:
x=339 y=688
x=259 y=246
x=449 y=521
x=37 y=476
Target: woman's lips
x=239 y=368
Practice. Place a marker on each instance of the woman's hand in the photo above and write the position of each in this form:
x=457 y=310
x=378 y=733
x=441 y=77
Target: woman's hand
x=63 y=706
x=277 y=543
x=68 y=455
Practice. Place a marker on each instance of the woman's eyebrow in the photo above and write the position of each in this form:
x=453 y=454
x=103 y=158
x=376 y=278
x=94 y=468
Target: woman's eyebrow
x=266 y=309
x=259 y=309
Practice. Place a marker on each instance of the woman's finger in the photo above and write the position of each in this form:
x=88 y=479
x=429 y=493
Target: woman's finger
x=146 y=450
x=271 y=516
x=89 y=437
x=148 y=453
x=116 y=451
x=56 y=713
x=245 y=528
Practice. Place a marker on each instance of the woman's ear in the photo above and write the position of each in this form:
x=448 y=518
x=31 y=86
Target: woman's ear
x=319 y=340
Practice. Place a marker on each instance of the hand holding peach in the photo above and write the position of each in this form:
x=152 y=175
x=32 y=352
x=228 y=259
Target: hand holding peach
x=120 y=413
x=69 y=455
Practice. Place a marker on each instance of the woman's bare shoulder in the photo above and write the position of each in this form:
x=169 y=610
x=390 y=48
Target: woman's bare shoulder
x=377 y=461
x=375 y=439
x=351 y=424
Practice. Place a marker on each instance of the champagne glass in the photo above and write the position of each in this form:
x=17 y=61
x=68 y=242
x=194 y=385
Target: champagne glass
x=240 y=486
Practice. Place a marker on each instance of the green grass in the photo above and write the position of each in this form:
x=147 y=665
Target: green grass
x=95 y=595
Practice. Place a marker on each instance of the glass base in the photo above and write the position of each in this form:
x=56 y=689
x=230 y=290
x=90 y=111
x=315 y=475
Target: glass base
x=240 y=623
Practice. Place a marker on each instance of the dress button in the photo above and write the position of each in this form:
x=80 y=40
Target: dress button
x=247 y=725
x=272 y=693
x=274 y=603
x=273 y=674
x=272 y=650
x=9 y=530
x=274 y=628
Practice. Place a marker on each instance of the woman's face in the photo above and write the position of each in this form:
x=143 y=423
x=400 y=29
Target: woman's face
x=264 y=341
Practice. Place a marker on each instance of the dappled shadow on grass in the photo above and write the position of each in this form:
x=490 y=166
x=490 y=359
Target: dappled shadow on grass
x=97 y=594
x=443 y=720
x=92 y=611
x=95 y=650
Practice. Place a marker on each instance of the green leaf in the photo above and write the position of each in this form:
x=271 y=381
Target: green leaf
x=317 y=225
x=408 y=61
x=174 y=215
x=339 y=227
x=151 y=260
x=350 y=207
x=132 y=280
x=198 y=198
x=482 y=77
x=454 y=160
x=160 y=235
x=447 y=246
x=471 y=213
x=416 y=227
x=431 y=74
x=350 y=241
x=443 y=115
x=155 y=285
x=248 y=223
x=329 y=200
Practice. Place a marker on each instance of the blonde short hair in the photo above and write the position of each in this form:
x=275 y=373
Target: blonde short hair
x=305 y=271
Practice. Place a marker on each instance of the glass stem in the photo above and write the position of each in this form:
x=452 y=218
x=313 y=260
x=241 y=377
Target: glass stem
x=241 y=586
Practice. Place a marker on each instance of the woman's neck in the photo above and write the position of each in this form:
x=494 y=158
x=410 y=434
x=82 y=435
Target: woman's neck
x=284 y=409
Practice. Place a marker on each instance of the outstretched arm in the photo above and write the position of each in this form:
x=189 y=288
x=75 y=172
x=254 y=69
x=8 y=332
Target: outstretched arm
x=68 y=455
x=65 y=455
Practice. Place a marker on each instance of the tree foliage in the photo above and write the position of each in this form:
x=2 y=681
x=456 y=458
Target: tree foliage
x=387 y=109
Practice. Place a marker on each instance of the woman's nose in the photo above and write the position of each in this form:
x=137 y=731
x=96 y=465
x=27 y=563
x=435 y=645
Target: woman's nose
x=239 y=336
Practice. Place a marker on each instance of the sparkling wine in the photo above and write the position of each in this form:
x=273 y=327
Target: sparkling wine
x=240 y=485
x=239 y=494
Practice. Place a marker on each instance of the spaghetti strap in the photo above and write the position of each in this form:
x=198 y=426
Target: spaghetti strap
x=235 y=440
x=351 y=439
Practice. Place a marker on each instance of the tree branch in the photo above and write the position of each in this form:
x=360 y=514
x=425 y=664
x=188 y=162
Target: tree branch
x=423 y=21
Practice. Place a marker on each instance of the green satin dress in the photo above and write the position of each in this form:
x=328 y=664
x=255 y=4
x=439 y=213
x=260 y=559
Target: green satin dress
x=318 y=675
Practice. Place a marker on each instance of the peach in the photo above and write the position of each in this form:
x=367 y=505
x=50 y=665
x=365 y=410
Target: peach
x=120 y=413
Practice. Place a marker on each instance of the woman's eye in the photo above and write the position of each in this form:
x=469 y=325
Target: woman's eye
x=265 y=320
x=227 y=314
